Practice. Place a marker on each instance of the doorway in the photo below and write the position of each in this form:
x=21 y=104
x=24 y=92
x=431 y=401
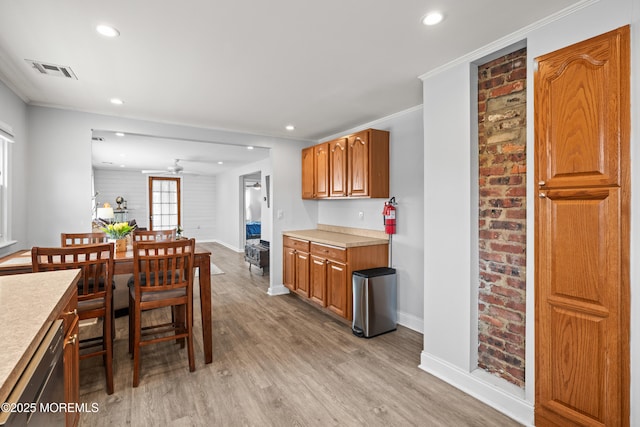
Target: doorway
x=252 y=207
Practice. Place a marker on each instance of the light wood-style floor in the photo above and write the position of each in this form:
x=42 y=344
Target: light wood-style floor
x=277 y=361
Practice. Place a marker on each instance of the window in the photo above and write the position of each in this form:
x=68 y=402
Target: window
x=6 y=138
x=164 y=203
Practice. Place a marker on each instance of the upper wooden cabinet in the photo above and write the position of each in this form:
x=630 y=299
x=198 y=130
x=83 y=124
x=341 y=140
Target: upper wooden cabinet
x=338 y=167
x=355 y=166
x=307 y=173
x=321 y=168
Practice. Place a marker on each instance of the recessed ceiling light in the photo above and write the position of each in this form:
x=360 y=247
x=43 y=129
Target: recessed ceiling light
x=220 y=163
x=432 y=18
x=119 y=133
x=290 y=127
x=117 y=101
x=107 y=30
x=121 y=166
x=249 y=148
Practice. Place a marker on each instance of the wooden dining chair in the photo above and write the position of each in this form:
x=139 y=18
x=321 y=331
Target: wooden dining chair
x=81 y=239
x=162 y=277
x=95 y=289
x=153 y=235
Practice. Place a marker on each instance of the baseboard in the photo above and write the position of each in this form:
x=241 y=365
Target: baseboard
x=511 y=403
x=226 y=245
x=411 y=322
x=277 y=290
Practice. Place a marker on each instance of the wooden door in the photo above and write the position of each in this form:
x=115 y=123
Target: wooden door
x=302 y=273
x=358 y=158
x=164 y=203
x=582 y=233
x=321 y=167
x=289 y=268
x=337 y=297
x=307 y=173
x=338 y=163
x=318 y=279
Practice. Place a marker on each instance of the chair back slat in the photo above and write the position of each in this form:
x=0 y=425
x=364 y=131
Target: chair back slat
x=82 y=239
x=153 y=235
x=94 y=261
x=163 y=265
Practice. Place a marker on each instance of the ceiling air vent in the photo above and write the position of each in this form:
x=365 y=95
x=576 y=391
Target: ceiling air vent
x=97 y=138
x=52 y=69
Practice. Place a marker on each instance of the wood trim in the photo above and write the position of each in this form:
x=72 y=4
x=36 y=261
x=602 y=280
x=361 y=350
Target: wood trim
x=178 y=188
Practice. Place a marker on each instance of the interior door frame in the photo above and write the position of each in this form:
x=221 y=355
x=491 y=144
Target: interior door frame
x=178 y=181
x=243 y=203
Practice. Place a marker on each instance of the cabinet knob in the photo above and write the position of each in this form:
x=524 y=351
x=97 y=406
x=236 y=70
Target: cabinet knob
x=542 y=195
x=74 y=312
x=541 y=183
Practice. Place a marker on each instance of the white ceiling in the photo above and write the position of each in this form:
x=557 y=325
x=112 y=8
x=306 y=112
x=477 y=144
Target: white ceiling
x=135 y=152
x=250 y=66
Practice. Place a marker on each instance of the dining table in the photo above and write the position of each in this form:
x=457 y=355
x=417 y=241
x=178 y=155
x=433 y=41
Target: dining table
x=20 y=262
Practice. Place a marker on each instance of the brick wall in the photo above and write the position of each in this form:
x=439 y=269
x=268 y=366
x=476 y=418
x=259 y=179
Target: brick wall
x=502 y=216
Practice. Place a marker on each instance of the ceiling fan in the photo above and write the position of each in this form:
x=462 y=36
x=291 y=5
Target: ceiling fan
x=174 y=169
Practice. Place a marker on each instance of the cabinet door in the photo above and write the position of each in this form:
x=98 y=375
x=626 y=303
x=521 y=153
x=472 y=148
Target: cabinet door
x=71 y=360
x=321 y=167
x=289 y=268
x=307 y=173
x=302 y=273
x=337 y=288
x=318 y=279
x=358 y=161
x=338 y=166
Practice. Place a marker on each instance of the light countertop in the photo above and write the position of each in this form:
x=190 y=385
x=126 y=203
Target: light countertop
x=29 y=303
x=342 y=238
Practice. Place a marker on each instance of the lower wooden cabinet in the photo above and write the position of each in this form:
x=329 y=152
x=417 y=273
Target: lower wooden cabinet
x=338 y=289
x=322 y=273
x=295 y=265
x=302 y=273
x=318 y=280
x=71 y=358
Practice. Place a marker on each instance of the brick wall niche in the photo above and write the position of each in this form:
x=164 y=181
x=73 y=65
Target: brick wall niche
x=502 y=216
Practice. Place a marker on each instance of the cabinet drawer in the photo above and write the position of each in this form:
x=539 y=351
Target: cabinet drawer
x=329 y=252
x=290 y=242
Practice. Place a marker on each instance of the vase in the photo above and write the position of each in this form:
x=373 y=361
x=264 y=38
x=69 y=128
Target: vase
x=120 y=245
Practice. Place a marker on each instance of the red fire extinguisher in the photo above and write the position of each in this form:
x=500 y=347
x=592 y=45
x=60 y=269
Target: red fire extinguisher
x=389 y=215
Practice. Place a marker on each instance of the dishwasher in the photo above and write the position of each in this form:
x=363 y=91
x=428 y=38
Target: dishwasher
x=42 y=382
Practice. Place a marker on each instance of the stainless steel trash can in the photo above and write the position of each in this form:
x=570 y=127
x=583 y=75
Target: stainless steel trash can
x=374 y=301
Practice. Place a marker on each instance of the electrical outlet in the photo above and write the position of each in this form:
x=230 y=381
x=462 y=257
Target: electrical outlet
x=361 y=215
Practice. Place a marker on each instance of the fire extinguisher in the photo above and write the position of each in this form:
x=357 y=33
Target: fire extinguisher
x=389 y=215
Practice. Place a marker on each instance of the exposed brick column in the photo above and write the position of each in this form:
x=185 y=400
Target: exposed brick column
x=502 y=216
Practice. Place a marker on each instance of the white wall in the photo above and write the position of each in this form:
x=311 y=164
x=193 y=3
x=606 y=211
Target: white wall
x=406 y=185
x=131 y=185
x=199 y=213
x=229 y=203
x=13 y=112
x=449 y=282
x=198 y=199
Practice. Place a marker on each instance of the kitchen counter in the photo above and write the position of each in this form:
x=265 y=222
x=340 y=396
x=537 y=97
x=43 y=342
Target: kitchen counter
x=342 y=237
x=29 y=303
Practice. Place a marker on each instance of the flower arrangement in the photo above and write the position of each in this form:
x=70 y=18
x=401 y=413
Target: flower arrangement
x=119 y=230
